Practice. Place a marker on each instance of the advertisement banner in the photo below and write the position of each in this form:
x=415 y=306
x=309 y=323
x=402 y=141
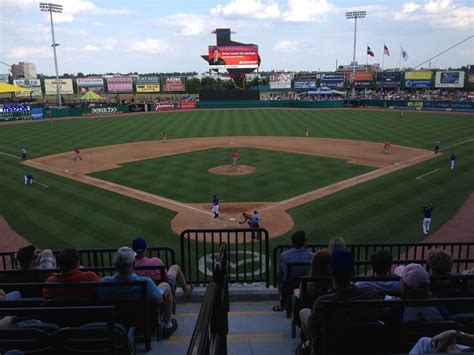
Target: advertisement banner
x=361 y=80
x=280 y=81
x=120 y=84
x=449 y=79
x=95 y=84
x=165 y=106
x=471 y=74
x=33 y=84
x=105 y=110
x=50 y=86
x=3 y=78
x=233 y=57
x=418 y=79
x=37 y=113
x=148 y=84
x=389 y=79
x=187 y=105
x=174 y=83
x=333 y=80
x=136 y=108
x=305 y=84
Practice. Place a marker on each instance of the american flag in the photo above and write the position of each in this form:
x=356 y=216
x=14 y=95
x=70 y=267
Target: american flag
x=385 y=50
x=370 y=52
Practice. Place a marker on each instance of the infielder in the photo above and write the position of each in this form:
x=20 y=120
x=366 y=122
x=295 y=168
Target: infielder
x=452 y=160
x=77 y=154
x=427 y=218
x=215 y=207
x=386 y=147
x=235 y=158
x=28 y=179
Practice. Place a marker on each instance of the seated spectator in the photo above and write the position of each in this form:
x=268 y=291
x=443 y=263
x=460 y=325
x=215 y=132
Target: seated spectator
x=125 y=263
x=439 y=262
x=6 y=322
x=174 y=275
x=381 y=262
x=415 y=284
x=69 y=263
x=320 y=268
x=341 y=270
x=450 y=341
x=336 y=243
x=29 y=258
x=11 y=296
x=297 y=254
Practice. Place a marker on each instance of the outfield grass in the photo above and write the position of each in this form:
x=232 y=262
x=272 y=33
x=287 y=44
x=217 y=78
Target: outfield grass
x=386 y=209
x=279 y=175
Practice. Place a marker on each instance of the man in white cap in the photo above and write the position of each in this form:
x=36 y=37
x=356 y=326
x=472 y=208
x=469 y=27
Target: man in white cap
x=124 y=261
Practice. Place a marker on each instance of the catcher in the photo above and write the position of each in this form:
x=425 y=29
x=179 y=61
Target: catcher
x=247 y=218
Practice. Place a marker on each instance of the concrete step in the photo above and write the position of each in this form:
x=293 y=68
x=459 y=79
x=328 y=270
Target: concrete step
x=253 y=329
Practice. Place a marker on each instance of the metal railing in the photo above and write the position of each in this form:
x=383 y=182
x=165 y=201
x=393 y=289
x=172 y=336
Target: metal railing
x=248 y=254
x=212 y=326
x=96 y=257
x=403 y=253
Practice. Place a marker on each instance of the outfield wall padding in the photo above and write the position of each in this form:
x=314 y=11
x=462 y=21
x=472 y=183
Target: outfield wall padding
x=270 y=104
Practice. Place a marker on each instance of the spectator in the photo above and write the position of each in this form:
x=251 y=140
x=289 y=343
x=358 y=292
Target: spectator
x=450 y=341
x=30 y=258
x=319 y=268
x=381 y=262
x=69 y=263
x=125 y=263
x=415 y=284
x=11 y=296
x=337 y=243
x=174 y=275
x=341 y=270
x=297 y=254
x=439 y=262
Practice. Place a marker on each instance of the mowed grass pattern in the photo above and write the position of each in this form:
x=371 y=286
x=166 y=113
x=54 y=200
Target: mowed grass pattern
x=279 y=175
x=386 y=209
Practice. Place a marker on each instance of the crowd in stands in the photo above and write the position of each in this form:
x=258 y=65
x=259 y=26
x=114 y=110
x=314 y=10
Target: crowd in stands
x=160 y=287
x=338 y=264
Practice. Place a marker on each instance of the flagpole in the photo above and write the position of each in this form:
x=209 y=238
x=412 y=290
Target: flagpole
x=367 y=58
x=383 y=56
x=400 y=59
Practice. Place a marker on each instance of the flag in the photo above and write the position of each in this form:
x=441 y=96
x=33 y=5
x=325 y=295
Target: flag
x=404 y=55
x=369 y=52
x=385 y=50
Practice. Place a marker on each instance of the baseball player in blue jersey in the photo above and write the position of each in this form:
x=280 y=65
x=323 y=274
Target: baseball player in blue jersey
x=452 y=159
x=437 y=145
x=215 y=207
x=28 y=179
x=427 y=218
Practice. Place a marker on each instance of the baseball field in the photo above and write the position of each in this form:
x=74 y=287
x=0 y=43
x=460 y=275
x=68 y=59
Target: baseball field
x=337 y=181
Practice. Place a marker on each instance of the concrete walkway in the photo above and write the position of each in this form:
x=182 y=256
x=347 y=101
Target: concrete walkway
x=253 y=329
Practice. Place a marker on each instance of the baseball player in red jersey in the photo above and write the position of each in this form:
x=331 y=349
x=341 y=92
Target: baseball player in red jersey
x=386 y=147
x=77 y=154
x=235 y=158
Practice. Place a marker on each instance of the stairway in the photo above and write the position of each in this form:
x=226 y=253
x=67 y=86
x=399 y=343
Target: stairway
x=253 y=329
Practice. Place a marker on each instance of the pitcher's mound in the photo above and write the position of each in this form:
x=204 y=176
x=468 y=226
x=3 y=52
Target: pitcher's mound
x=232 y=170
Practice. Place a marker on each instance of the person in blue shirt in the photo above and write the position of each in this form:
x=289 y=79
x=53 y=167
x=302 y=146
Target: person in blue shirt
x=427 y=218
x=452 y=159
x=297 y=254
x=124 y=261
x=28 y=179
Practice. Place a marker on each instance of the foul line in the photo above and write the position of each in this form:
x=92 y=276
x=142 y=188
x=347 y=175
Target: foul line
x=456 y=144
x=40 y=183
x=428 y=173
x=10 y=155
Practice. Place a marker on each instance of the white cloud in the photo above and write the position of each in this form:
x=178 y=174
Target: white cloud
x=286 y=46
x=90 y=48
x=248 y=8
x=29 y=53
x=444 y=13
x=308 y=10
x=188 y=24
x=152 y=46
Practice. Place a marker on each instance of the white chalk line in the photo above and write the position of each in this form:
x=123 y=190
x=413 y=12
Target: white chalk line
x=10 y=155
x=40 y=183
x=428 y=173
x=456 y=144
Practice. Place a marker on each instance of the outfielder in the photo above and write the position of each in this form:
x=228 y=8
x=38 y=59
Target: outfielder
x=427 y=218
x=215 y=207
x=452 y=159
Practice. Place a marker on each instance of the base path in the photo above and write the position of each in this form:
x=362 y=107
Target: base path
x=9 y=239
x=198 y=215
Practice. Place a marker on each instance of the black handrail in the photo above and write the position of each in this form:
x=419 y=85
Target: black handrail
x=403 y=253
x=210 y=332
x=248 y=254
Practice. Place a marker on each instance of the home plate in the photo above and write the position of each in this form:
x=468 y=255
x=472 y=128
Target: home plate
x=231 y=219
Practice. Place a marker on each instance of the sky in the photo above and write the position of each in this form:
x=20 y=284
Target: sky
x=122 y=36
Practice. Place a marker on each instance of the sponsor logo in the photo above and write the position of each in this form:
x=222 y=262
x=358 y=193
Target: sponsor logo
x=104 y=110
x=14 y=108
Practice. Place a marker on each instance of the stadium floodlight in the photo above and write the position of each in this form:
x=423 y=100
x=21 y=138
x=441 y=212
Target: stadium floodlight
x=354 y=15
x=48 y=7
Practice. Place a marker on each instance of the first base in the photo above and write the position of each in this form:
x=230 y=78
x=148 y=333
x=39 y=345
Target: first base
x=231 y=219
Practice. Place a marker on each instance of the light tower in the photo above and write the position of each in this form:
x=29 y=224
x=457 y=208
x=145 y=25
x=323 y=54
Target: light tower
x=48 y=7
x=354 y=15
